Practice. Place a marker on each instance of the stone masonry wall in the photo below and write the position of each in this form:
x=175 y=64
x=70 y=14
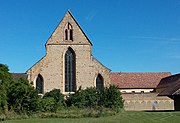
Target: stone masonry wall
x=147 y=101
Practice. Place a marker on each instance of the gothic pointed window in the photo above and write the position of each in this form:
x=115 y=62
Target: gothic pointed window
x=40 y=83
x=71 y=35
x=99 y=82
x=68 y=34
x=70 y=66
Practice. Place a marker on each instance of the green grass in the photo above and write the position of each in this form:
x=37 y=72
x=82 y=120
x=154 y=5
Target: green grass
x=124 y=117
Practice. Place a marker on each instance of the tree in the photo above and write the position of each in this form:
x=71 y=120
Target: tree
x=5 y=76
x=3 y=101
x=22 y=97
x=5 y=80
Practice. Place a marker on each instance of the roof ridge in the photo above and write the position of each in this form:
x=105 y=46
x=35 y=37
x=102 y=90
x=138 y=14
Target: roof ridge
x=100 y=62
x=141 y=72
x=18 y=73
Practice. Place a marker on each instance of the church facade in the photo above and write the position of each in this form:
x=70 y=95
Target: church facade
x=68 y=63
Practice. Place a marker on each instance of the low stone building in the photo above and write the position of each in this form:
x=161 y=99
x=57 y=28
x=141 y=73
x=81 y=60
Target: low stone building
x=139 y=90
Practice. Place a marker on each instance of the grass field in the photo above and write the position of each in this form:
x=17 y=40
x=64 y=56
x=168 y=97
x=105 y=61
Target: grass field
x=124 y=117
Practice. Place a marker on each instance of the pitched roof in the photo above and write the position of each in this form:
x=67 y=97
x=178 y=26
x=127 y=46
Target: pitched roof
x=19 y=75
x=137 y=80
x=169 y=85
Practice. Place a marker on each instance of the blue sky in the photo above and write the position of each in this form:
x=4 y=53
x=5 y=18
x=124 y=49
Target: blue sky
x=127 y=35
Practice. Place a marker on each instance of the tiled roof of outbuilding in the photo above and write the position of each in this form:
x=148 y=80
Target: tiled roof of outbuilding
x=169 y=85
x=137 y=80
x=19 y=75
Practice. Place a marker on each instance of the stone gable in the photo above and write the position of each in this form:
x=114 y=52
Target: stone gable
x=79 y=37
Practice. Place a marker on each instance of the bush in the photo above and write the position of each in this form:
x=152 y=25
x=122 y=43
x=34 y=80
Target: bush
x=49 y=104
x=92 y=97
x=84 y=98
x=55 y=96
x=111 y=98
x=5 y=80
x=3 y=101
x=18 y=99
x=32 y=102
x=77 y=99
x=5 y=76
x=22 y=97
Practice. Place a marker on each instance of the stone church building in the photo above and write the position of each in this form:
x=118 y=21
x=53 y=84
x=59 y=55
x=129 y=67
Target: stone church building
x=69 y=65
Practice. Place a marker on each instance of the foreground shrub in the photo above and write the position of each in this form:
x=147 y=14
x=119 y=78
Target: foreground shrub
x=84 y=98
x=48 y=104
x=77 y=99
x=5 y=76
x=3 y=101
x=92 y=97
x=53 y=100
x=22 y=97
x=111 y=98
x=5 y=80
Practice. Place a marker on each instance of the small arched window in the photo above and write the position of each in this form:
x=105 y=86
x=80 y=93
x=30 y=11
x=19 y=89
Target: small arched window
x=40 y=83
x=71 y=34
x=70 y=71
x=68 y=34
x=99 y=82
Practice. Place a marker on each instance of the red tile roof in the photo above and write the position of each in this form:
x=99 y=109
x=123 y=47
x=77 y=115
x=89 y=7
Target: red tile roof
x=19 y=75
x=137 y=80
x=169 y=85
